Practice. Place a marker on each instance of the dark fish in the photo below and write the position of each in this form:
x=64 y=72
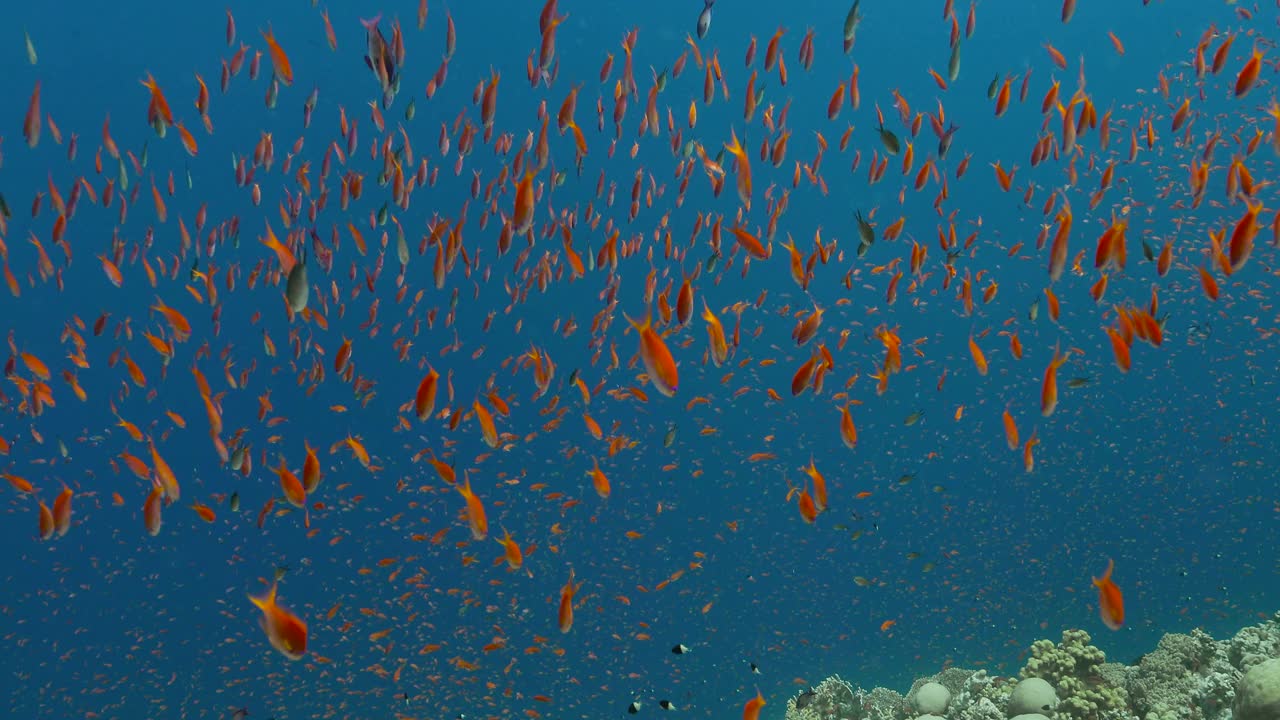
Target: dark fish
x=666 y=705
x=634 y=707
x=994 y=87
x=804 y=698
x=890 y=141
x=944 y=142
x=865 y=232
x=755 y=669
x=297 y=291
x=953 y=64
x=238 y=457
x=851 y=26
x=679 y=650
x=704 y=19
x=241 y=713
x=235 y=502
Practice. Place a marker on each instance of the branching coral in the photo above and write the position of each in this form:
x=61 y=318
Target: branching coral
x=1072 y=667
x=832 y=699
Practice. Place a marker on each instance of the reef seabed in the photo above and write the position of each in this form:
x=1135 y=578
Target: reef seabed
x=1186 y=677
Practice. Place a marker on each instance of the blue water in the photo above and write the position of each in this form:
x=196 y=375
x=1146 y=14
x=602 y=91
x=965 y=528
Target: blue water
x=1166 y=469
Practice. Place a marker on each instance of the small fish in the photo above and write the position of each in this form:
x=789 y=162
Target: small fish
x=241 y=713
x=281 y=571
x=889 y=140
x=1078 y=382
x=944 y=142
x=865 y=232
x=235 y=501
x=704 y=19
x=666 y=705
x=953 y=65
x=755 y=669
x=667 y=441
x=804 y=698
x=297 y=291
x=679 y=650
x=635 y=705
x=1034 y=312
x=31 y=48
x=851 y=25
x=238 y=455
x=994 y=87
x=913 y=418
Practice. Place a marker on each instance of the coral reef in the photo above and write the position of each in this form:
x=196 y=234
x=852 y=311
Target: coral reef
x=1186 y=677
x=1072 y=668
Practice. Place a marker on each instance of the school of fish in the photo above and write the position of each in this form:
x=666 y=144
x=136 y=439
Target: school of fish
x=575 y=305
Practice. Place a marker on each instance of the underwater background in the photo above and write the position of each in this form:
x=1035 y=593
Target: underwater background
x=937 y=545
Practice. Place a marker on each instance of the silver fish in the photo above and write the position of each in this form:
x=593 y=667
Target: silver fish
x=704 y=19
x=851 y=22
x=402 y=246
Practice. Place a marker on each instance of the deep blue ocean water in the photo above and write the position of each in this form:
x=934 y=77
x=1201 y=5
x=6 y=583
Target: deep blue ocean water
x=1166 y=469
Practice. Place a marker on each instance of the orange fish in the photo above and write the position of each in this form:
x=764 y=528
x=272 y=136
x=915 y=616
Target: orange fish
x=658 y=363
x=565 y=613
x=751 y=710
x=510 y=551
x=285 y=631
x=279 y=61
x=1110 y=601
x=599 y=481
x=475 y=510
x=1049 y=389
